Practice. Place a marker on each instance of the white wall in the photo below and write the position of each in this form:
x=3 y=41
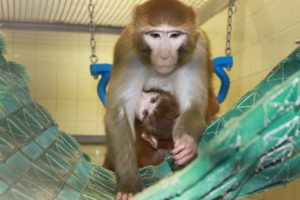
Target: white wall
x=58 y=66
x=264 y=32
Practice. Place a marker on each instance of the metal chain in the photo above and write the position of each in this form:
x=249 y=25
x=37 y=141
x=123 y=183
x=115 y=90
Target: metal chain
x=231 y=11
x=93 y=57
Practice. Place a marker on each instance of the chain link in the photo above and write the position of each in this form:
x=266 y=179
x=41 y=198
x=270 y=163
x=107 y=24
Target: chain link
x=231 y=11
x=92 y=27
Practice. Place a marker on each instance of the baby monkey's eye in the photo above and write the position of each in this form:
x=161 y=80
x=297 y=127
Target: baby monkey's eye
x=154 y=99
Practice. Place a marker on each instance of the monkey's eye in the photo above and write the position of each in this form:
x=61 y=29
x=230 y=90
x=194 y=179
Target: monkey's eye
x=154 y=35
x=153 y=100
x=175 y=34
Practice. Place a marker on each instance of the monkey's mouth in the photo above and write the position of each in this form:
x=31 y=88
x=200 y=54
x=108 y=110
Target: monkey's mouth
x=164 y=68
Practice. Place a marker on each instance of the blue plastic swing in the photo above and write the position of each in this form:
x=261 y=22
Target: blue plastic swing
x=219 y=64
x=104 y=70
x=225 y=61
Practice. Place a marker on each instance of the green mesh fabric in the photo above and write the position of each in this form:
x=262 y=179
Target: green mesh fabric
x=256 y=148
x=253 y=147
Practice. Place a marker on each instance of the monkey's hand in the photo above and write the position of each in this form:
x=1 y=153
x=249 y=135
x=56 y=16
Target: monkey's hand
x=150 y=139
x=124 y=196
x=185 y=149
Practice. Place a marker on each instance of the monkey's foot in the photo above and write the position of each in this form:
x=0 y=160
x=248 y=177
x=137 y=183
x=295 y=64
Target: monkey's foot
x=185 y=149
x=124 y=196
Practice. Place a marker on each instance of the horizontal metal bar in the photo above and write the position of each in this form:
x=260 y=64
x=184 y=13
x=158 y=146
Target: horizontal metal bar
x=297 y=41
x=59 y=27
x=90 y=139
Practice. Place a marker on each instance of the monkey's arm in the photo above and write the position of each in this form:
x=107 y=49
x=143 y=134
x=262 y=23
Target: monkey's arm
x=194 y=103
x=186 y=134
x=213 y=106
x=119 y=119
x=120 y=133
x=122 y=153
x=191 y=122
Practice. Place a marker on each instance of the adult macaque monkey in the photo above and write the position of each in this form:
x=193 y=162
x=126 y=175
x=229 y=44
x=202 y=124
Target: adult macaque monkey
x=160 y=48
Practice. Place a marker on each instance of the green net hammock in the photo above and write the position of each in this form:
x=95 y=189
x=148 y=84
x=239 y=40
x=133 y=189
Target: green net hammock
x=257 y=147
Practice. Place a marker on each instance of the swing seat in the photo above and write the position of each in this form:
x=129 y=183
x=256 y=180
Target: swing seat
x=257 y=147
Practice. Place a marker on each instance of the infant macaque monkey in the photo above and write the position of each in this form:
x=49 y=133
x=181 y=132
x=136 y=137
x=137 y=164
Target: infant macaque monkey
x=156 y=113
x=155 y=116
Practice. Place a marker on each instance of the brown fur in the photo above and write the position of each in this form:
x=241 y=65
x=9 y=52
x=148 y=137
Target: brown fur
x=160 y=126
x=156 y=12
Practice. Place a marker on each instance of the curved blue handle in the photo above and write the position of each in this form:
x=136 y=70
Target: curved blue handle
x=104 y=70
x=219 y=64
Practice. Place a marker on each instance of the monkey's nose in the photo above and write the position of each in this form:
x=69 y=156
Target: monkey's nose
x=145 y=114
x=164 y=54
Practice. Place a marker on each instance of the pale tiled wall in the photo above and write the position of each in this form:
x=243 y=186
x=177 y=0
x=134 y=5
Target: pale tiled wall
x=58 y=67
x=264 y=32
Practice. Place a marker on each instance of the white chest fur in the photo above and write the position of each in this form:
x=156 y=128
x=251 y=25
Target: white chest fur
x=188 y=83
x=185 y=83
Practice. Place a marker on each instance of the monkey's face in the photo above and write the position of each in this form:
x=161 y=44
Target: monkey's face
x=164 y=34
x=164 y=42
x=146 y=105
